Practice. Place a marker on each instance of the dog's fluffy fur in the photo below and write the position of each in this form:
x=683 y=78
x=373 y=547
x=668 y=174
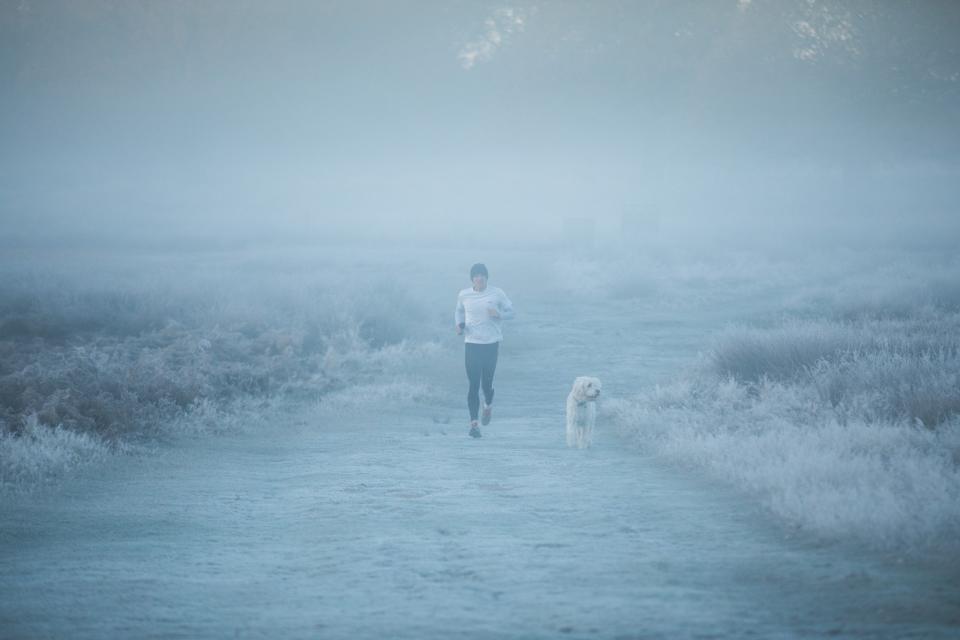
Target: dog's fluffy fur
x=582 y=411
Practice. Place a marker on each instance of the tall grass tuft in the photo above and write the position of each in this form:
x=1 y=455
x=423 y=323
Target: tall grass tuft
x=891 y=370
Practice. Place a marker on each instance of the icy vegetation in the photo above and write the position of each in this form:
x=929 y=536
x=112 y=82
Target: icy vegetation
x=827 y=385
x=101 y=358
x=841 y=414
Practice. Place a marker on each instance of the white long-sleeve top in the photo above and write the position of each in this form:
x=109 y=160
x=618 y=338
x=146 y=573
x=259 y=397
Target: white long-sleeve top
x=472 y=310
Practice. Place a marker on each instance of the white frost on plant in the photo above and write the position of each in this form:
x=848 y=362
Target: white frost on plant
x=497 y=29
x=40 y=452
x=847 y=428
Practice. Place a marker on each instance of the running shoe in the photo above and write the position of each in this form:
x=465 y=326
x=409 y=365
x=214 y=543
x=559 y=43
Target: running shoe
x=485 y=416
x=474 y=430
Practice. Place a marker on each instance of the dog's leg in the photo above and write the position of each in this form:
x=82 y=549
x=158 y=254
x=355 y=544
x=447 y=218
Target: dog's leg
x=591 y=418
x=580 y=427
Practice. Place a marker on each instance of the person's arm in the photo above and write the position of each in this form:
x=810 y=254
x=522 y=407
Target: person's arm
x=459 y=316
x=506 y=307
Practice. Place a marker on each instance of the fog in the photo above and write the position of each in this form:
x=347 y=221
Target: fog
x=232 y=235
x=739 y=122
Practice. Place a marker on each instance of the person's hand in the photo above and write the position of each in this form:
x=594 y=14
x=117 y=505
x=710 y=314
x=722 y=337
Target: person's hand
x=459 y=329
x=493 y=312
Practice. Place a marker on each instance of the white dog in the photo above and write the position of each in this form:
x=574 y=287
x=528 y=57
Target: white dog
x=582 y=411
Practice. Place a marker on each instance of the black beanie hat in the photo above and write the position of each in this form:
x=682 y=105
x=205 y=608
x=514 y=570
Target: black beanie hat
x=478 y=269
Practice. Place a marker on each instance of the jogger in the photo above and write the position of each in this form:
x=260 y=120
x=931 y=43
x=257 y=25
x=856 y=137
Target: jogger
x=480 y=309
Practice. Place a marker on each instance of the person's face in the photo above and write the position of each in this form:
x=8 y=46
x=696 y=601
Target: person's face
x=479 y=282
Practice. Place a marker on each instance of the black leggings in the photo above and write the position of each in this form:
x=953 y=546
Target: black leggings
x=481 y=361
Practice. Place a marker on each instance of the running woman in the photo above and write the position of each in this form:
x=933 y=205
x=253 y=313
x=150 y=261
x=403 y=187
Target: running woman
x=480 y=309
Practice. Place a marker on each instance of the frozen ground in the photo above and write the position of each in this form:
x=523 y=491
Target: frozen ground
x=350 y=520
x=361 y=529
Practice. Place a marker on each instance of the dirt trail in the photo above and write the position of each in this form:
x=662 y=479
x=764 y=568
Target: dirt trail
x=350 y=529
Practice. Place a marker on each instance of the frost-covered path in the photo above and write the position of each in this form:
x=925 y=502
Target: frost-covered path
x=398 y=525
x=361 y=531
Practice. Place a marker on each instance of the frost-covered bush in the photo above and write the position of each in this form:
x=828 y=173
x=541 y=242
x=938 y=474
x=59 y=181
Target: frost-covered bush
x=850 y=428
x=129 y=350
x=877 y=370
x=891 y=485
x=39 y=451
x=783 y=353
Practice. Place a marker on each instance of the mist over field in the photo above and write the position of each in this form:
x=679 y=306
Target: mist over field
x=231 y=239
x=461 y=122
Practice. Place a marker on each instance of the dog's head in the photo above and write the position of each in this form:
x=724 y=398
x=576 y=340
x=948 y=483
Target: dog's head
x=586 y=389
